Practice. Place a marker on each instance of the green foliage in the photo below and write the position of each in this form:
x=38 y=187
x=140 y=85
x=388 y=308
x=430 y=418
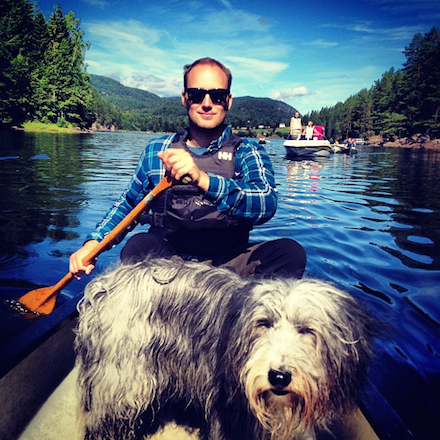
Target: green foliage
x=16 y=30
x=401 y=103
x=421 y=82
x=42 y=66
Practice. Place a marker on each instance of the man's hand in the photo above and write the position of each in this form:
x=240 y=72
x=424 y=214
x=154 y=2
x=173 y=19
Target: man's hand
x=179 y=163
x=76 y=266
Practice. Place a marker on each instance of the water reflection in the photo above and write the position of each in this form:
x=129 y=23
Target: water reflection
x=41 y=189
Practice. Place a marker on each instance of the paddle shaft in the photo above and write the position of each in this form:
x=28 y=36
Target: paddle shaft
x=127 y=221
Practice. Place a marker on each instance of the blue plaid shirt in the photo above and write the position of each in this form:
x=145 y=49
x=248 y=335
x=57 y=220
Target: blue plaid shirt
x=250 y=195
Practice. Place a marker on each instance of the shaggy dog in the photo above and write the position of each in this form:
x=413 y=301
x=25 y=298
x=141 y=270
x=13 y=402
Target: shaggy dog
x=226 y=357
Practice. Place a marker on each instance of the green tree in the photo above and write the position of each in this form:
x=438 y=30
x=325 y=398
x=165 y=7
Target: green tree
x=393 y=125
x=421 y=83
x=387 y=105
x=62 y=87
x=16 y=44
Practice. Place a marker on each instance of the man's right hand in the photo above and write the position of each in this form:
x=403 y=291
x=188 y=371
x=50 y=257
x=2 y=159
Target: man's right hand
x=76 y=266
x=180 y=163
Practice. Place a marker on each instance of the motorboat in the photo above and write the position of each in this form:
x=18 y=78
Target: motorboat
x=306 y=148
x=316 y=147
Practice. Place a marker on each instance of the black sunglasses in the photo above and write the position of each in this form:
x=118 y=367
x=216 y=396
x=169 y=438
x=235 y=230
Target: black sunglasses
x=218 y=96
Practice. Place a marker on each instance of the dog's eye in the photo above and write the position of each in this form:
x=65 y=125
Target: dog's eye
x=264 y=323
x=306 y=331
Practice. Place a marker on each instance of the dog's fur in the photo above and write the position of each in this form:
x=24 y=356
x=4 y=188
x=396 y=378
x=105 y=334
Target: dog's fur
x=227 y=357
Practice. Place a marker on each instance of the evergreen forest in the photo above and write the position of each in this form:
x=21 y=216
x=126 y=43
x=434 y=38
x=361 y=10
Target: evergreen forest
x=43 y=77
x=401 y=103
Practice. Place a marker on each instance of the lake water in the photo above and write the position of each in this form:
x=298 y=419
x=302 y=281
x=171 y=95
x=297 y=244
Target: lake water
x=370 y=223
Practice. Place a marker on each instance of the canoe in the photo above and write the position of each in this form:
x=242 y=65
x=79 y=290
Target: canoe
x=32 y=365
x=38 y=394
x=58 y=419
x=307 y=148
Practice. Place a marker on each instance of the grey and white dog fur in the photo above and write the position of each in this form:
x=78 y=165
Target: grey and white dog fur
x=223 y=356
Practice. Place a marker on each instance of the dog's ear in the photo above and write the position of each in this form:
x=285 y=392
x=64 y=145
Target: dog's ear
x=352 y=353
x=233 y=346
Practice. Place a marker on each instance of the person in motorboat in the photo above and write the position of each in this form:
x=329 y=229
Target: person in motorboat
x=232 y=189
x=295 y=127
x=310 y=131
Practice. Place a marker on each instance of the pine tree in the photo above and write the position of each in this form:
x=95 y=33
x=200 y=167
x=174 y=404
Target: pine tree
x=62 y=87
x=421 y=83
x=16 y=43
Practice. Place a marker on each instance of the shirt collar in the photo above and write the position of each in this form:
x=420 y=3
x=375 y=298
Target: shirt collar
x=215 y=145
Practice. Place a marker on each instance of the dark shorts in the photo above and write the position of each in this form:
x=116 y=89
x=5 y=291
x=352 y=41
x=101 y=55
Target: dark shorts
x=283 y=257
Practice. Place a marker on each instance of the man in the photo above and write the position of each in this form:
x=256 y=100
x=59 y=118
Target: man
x=232 y=189
x=295 y=127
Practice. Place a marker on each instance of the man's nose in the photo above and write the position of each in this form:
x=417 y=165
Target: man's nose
x=207 y=102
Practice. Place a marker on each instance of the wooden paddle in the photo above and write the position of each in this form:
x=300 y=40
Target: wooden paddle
x=42 y=301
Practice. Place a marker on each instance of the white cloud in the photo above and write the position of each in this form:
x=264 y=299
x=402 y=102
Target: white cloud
x=322 y=43
x=99 y=3
x=262 y=66
x=131 y=34
x=404 y=33
x=155 y=84
x=226 y=4
x=290 y=94
x=129 y=52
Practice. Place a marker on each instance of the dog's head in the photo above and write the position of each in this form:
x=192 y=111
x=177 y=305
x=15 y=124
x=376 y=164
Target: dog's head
x=305 y=350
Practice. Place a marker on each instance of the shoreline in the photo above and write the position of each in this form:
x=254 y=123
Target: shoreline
x=37 y=127
x=376 y=141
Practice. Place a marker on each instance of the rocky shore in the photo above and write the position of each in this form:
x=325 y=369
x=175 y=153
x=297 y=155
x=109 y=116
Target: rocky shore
x=416 y=141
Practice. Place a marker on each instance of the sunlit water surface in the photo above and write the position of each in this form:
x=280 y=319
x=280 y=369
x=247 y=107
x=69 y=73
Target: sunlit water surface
x=370 y=223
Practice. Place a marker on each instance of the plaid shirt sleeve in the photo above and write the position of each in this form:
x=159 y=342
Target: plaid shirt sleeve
x=252 y=194
x=149 y=171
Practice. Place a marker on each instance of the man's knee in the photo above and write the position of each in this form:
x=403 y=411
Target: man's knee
x=284 y=257
x=145 y=244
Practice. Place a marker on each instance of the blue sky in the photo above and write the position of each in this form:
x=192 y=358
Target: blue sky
x=307 y=54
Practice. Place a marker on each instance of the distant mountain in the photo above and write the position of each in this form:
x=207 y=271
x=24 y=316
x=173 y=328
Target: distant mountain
x=126 y=98
x=246 y=111
x=259 y=111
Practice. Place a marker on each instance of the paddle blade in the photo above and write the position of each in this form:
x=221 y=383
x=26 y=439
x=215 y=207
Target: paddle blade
x=39 y=301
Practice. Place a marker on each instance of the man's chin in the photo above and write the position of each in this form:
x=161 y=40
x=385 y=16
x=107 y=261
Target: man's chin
x=207 y=126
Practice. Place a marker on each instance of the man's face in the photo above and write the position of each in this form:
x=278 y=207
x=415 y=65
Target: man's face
x=206 y=114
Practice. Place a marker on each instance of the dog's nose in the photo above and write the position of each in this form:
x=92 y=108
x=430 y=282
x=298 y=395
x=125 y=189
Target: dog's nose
x=279 y=379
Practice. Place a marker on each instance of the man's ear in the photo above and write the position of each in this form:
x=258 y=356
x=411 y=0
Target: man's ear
x=183 y=98
x=229 y=104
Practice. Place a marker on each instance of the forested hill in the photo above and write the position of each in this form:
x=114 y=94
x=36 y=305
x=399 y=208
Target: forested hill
x=148 y=111
x=126 y=98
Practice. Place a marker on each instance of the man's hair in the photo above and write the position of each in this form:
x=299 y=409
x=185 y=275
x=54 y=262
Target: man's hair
x=188 y=67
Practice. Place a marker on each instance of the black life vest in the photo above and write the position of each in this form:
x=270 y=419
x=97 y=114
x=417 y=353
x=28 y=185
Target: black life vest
x=182 y=206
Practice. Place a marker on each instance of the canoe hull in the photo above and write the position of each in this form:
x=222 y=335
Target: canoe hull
x=58 y=417
x=27 y=386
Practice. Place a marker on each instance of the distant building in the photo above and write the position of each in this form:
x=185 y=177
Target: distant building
x=282 y=125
